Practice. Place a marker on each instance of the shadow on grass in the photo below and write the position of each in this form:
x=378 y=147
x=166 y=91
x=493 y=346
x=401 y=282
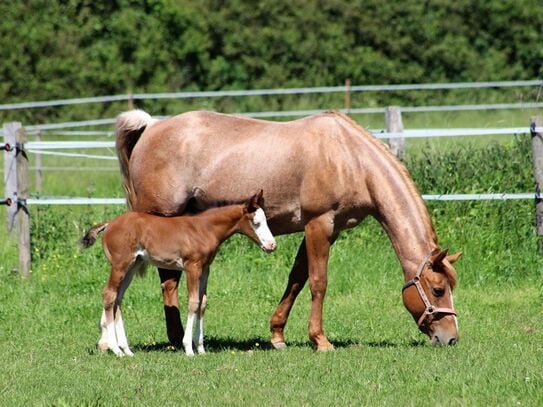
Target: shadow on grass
x=221 y=344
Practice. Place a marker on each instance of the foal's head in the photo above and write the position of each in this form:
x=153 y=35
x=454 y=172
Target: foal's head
x=428 y=297
x=254 y=225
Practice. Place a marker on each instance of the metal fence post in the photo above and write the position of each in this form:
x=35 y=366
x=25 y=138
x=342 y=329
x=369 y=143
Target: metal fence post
x=537 y=155
x=394 y=124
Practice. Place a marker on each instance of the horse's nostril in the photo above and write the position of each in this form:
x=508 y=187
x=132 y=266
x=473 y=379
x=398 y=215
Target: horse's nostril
x=453 y=341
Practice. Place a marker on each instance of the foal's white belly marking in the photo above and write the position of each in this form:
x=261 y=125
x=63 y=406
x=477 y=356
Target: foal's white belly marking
x=167 y=263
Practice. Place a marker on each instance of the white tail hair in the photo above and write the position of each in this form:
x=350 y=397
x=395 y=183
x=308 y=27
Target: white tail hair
x=129 y=127
x=134 y=120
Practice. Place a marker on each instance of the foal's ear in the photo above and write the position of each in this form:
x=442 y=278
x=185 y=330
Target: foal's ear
x=252 y=203
x=259 y=199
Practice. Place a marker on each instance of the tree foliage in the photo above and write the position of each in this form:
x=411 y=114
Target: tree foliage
x=74 y=48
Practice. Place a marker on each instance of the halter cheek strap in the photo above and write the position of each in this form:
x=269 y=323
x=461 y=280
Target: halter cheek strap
x=430 y=311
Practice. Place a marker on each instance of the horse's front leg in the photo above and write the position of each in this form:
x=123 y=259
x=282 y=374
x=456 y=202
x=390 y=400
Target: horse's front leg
x=169 y=282
x=296 y=281
x=319 y=236
x=199 y=331
x=193 y=273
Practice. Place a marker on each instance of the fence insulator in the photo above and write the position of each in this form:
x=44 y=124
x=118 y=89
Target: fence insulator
x=6 y=147
x=6 y=202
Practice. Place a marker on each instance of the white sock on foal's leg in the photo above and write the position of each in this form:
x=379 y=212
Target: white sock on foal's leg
x=109 y=337
x=121 y=334
x=187 y=338
x=102 y=342
x=199 y=334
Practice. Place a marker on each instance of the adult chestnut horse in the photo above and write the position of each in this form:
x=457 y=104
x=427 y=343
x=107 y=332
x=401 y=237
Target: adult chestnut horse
x=321 y=174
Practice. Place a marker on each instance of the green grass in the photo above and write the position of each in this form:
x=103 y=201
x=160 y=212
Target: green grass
x=48 y=324
x=49 y=328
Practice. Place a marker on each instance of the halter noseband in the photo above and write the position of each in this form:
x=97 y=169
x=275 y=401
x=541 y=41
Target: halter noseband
x=430 y=311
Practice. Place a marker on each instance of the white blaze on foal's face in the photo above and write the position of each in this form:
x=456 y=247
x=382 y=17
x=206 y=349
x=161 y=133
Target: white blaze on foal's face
x=260 y=226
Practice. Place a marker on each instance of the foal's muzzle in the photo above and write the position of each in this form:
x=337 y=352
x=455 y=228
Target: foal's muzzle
x=269 y=247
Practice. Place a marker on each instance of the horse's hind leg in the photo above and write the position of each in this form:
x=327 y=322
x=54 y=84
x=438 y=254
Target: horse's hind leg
x=296 y=281
x=169 y=282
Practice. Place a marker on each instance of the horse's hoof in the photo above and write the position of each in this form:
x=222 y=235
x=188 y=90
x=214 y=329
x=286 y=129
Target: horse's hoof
x=279 y=345
x=325 y=348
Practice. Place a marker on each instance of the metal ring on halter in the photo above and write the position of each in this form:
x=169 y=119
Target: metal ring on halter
x=429 y=309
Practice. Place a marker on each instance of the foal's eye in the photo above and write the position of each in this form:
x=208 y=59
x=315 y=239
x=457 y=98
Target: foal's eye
x=438 y=291
x=256 y=224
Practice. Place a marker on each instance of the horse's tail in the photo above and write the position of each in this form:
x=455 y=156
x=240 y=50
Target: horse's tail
x=90 y=237
x=128 y=128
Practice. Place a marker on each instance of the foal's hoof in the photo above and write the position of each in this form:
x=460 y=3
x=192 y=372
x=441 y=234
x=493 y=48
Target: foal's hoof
x=279 y=345
x=102 y=346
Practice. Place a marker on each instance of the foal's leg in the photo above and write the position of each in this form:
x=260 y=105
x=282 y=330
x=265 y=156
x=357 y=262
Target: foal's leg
x=122 y=341
x=169 y=282
x=193 y=273
x=296 y=281
x=319 y=235
x=107 y=322
x=199 y=331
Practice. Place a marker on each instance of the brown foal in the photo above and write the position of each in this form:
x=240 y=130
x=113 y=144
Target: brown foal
x=183 y=243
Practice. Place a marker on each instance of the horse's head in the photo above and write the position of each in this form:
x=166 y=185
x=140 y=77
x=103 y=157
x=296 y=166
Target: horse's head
x=428 y=297
x=254 y=225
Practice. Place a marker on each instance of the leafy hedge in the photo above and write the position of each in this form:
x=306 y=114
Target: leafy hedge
x=75 y=48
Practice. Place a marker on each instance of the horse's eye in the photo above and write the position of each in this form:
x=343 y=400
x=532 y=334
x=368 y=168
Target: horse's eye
x=438 y=291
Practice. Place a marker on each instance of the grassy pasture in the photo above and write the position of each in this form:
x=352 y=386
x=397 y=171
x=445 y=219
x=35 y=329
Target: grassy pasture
x=48 y=324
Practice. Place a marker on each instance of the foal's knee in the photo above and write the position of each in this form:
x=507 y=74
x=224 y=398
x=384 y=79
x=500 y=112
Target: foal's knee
x=194 y=306
x=203 y=305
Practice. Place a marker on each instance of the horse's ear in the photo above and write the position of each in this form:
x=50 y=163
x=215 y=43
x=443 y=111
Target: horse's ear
x=438 y=256
x=453 y=257
x=259 y=198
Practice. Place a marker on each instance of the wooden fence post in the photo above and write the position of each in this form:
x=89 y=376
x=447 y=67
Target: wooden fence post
x=130 y=101
x=537 y=154
x=22 y=210
x=16 y=190
x=394 y=124
x=10 y=172
x=347 y=101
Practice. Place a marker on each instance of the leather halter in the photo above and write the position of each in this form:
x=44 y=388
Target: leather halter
x=430 y=311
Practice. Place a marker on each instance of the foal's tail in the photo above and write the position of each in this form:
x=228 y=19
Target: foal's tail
x=128 y=128
x=90 y=237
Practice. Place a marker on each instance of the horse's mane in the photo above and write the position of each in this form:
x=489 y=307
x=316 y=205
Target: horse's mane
x=193 y=209
x=402 y=170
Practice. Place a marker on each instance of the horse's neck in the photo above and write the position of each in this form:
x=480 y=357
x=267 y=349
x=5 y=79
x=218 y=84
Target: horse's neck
x=403 y=214
x=408 y=225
